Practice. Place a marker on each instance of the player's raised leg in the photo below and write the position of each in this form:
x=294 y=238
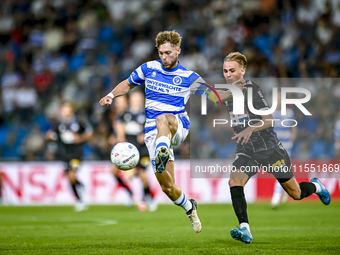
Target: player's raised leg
x=167 y=181
x=237 y=181
x=167 y=125
x=301 y=190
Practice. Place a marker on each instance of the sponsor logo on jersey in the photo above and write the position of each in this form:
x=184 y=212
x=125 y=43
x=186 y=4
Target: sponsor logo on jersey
x=161 y=87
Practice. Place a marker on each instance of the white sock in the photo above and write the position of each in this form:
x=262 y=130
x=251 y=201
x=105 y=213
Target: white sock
x=163 y=140
x=183 y=202
x=245 y=224
x=318 y=188
x=277 y=194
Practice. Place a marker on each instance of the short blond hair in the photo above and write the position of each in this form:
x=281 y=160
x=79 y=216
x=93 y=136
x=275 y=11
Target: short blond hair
x=168 y=36
x=237 y=57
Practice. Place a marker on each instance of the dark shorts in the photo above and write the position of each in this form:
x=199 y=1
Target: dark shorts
x=144 y=156
x=275 y=161
x=72 y=164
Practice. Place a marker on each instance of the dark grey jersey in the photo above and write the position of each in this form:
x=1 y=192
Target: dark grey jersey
x=259 y=141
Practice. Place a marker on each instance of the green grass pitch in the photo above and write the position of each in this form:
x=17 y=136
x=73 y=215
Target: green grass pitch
x=294 y=228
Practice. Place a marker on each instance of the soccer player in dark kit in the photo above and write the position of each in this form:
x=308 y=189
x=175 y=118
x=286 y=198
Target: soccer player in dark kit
x=258 y=146
x=129 y=127
x=70 y=133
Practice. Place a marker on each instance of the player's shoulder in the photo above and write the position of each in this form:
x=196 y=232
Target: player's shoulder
x=251 y=84
x=153 y=64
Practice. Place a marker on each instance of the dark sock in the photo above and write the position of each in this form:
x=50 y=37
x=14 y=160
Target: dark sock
x=239 y=203
x=147 y=193
x=307 y=189
x=123 y=184
x=75 y=192
x=76 y=185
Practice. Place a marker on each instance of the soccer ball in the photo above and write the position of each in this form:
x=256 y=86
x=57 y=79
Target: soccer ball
x=125 y=156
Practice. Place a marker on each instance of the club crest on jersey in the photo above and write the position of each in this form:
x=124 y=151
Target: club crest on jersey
x=177 y=80
x=153 y=74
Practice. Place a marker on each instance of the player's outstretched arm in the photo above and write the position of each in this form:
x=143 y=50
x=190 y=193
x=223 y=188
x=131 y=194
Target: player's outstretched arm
x=226 y=94
x=121 y=89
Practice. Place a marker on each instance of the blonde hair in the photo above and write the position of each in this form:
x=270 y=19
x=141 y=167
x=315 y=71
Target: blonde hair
x=237 y=57
x=168 y=36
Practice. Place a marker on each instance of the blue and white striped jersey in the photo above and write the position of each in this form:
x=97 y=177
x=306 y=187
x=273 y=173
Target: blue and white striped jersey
x=284 y=133
x=166 y=91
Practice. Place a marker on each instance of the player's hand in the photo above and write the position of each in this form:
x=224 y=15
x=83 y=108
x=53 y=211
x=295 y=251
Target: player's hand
x=76 y=138
x=243 y=136
x=51 y=135
x=105 y=101
x=241 y=84
x=140 y=138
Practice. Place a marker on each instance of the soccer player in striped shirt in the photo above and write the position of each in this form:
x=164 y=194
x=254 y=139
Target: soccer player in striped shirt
x=168 y=86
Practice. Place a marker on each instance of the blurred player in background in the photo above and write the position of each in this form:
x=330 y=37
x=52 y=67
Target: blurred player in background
x=287 y=136
x=129 y=127
x=258 y=146
x=337 y=139
x=167 y=89
x=70 y=132
x=121 y=105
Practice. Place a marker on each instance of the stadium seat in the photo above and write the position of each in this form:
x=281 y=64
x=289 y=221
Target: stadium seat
x=106 y=34
x=319 y=149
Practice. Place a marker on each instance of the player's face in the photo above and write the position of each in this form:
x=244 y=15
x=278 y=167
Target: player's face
x=66 y=111
x=136 y=100
x=232 y=71
x=120 y=104
x=169 y=55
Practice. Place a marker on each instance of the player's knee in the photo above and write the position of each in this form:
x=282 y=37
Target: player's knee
x=161 y=119
x=167 y=189
x=72 y=177
x=295 y=194
x=233 y=182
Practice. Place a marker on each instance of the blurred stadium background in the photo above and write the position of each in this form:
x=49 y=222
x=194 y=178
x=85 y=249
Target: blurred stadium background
x=73 y=50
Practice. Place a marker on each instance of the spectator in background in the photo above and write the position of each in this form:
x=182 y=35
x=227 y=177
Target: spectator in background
x=25 y=101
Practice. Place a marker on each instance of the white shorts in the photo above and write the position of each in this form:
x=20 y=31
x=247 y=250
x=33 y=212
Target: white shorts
x=150 y=142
